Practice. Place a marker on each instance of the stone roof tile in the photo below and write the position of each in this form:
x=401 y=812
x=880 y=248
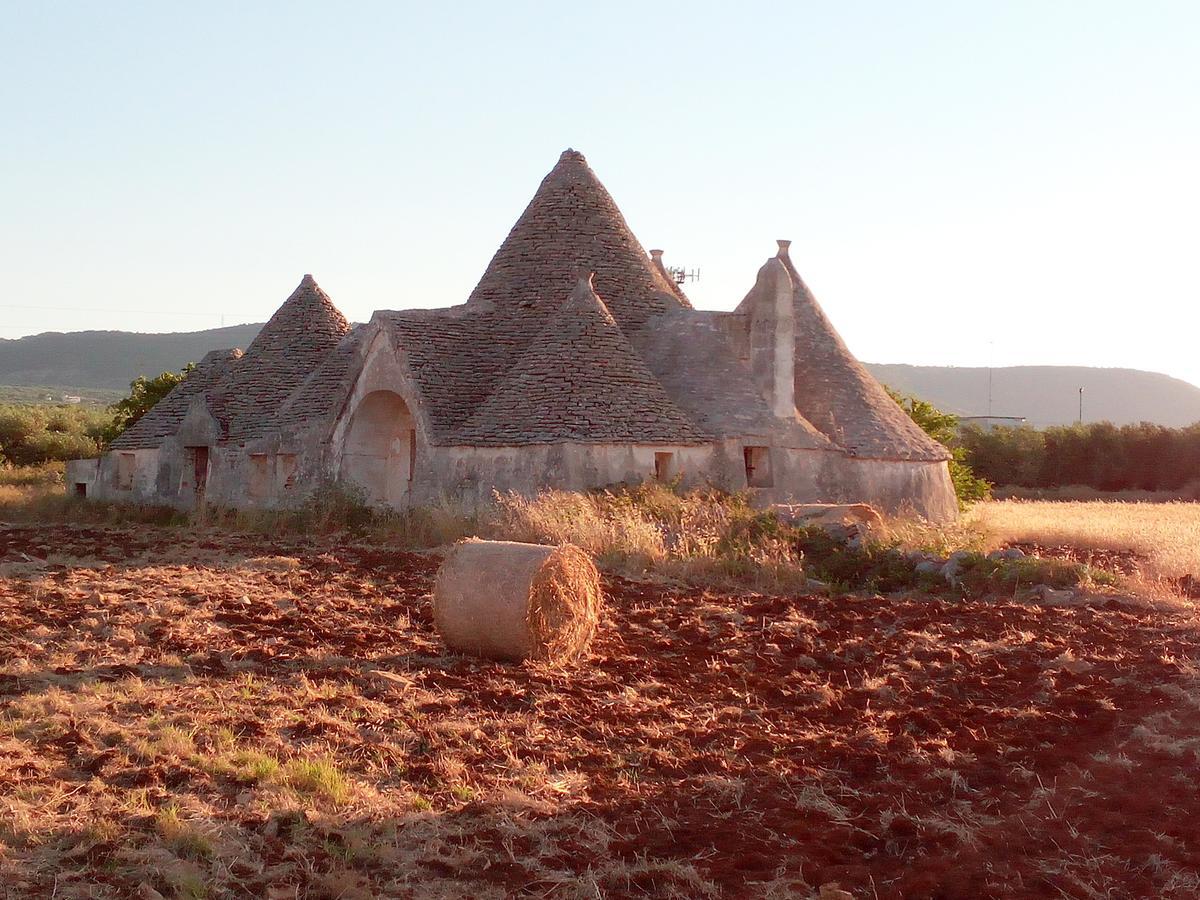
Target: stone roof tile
x=323 y=392
x=572 y=224
x=165 y=417
x=579 y=380
x=289 y=348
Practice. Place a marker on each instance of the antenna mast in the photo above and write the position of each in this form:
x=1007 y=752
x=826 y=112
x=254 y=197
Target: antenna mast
x=681 y=274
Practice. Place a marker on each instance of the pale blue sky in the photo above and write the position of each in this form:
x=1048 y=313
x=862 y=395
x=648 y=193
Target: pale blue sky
x=964 y=183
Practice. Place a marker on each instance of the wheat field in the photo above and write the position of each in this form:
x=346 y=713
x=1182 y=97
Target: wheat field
x=1167 y=535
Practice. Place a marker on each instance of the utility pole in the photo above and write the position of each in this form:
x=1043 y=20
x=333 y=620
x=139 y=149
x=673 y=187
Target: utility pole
x=991 y=365
x=1081 y=406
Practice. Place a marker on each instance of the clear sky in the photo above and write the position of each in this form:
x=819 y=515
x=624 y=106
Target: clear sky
x=964 y=183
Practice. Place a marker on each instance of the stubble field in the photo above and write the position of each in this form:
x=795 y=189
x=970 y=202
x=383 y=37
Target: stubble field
x=214 y=715
x=1162 y=539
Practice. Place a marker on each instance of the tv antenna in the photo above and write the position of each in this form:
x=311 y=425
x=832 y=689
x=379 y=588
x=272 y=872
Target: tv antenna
x=681 y=274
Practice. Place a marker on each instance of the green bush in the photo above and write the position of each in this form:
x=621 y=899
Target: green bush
x=33 y=435
x=943 y=428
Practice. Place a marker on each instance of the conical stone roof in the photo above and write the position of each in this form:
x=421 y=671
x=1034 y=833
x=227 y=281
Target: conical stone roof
x=579 y=381
x=572 y=224
x=303 y=331
x=836 y=393
x=306 y=323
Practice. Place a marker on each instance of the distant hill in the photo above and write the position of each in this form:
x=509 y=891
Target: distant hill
x=80 y=361
x=98 y=365
x=1049 y=395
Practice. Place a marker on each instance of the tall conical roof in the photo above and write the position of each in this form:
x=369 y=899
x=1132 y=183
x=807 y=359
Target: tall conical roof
x=839 y=396
x=579 y=381
x=571 y=224
x=306 y=322
x=303 y=331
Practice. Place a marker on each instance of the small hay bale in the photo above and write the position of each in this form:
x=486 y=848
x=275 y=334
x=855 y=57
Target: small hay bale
x=512 y=601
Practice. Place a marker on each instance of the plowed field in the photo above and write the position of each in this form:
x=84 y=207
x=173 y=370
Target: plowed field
x=228 y=716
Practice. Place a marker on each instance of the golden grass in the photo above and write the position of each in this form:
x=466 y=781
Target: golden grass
x=706 y=537
x=701 y=537
x=1166 y=534
x=48 y=474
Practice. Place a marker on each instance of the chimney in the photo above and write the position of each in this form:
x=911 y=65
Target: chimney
x=656 y=259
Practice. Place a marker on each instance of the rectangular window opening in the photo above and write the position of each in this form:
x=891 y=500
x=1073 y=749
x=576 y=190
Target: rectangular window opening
x=81 y=489
x=758 y=466
x=664 y=466
x=285 y=471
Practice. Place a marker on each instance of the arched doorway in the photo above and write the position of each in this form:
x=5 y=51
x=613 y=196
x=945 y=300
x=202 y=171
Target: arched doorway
x=380 y=449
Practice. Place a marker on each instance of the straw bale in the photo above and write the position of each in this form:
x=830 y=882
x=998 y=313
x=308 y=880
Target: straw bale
x=513 y=601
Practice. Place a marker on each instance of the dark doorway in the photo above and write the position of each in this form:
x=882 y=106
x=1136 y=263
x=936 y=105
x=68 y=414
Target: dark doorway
x=81 y=489
x=199 y=471
x=664 y=466
x=758 y=466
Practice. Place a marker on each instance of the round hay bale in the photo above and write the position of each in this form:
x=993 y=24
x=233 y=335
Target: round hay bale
x=511 y=601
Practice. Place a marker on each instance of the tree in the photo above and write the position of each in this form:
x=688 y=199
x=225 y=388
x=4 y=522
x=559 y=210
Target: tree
x=143 y=394
x=943 y=428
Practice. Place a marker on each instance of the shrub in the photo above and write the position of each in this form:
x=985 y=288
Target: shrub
x=33 y=435
x=943 y=428
x=1099 y=455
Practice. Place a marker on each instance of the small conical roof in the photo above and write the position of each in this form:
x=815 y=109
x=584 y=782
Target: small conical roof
x=571 y=224
x=839 y=396
x=579 y=381
x=307 y=321
x=303 y=331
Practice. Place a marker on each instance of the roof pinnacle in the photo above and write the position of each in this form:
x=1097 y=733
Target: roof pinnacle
x=656 y=260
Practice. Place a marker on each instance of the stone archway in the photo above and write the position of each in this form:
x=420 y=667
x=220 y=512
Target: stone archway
x=380 y=449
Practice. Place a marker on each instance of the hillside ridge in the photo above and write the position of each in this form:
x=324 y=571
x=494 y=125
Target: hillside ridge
x=1049 y=395
x=102 y=363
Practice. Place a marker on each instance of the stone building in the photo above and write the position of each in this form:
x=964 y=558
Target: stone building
x=576 y=362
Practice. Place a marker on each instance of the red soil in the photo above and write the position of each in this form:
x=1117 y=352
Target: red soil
x=899 y=747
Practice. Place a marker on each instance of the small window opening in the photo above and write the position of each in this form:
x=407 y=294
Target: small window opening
x=125 y=467
x=664 y=466
x=758 y=466
x=285 y=471
x=81 y=489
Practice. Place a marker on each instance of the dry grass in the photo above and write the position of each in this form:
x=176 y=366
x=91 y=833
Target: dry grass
x=702 y=537
x=46 y=475
x=1167 y=535
x=1190 y=492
